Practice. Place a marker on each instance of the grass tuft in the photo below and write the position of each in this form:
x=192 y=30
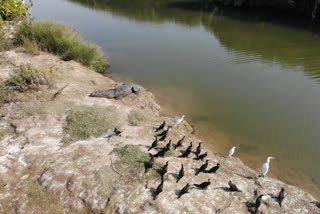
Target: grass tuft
x=60 y=40
x=136 y=116
x=132 y=161
x=86 y=121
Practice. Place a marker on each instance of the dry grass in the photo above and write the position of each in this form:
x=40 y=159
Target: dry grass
x=136 y=116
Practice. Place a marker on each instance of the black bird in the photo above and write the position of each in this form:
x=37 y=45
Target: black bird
x=181 y=173
x=154 y=143
x=158 y=190
x=187 y=152
x=258 y=203
x=150 y=163
x=161 y=126
x=165 y=132
x=200 y=157
x=233 y=187
x=203 y=185
x=213 y=169
x=164 y=169
x=117 y=132
x=167 y=147
x=179 y=143
x=202 y=167
x=184 y=190
x=163 y=138
x=161 y=153
x=281 y=196
x=198 y=151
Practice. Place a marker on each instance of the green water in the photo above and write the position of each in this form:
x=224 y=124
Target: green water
x=239 y=79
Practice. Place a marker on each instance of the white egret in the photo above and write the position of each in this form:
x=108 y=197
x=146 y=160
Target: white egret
x=265 y=166
x=179 y=121
x=232 y=151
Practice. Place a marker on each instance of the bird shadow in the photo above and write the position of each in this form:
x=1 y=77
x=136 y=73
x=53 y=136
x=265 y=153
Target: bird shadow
x=175 y=175
x=316 y=203
x=152 y=191
x=247 y=177
x=275 y=198
x=226 y=189
x=251 y=207
x=177 y=192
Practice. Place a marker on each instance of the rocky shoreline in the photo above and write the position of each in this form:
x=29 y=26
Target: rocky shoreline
x=41 y=173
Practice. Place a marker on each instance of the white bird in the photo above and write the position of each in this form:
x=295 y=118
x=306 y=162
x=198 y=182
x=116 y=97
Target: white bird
x=232 y=151
x=265 y=166
x=179 y=121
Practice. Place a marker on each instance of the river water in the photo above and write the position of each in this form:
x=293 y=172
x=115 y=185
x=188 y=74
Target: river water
x=240 y=79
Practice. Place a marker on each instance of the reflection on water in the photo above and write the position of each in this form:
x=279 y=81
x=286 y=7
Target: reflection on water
x=248 y=83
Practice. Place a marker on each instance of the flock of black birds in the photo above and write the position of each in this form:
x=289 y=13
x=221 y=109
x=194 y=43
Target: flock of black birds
x=203 y=168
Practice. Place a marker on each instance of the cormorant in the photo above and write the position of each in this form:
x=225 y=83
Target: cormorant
x=167 y=147
x=187 y=152
x=232 y=151
x=161 y=126
x=213 y=169
x=163 y=138
x=281 y=196
x=154 y=143
x=164 y=169
x=198 y=151
x=233 y=187
x=181 y=173
x=165 y=132
x=179 y=143
x=203 y=185
x=150 y=163
x=179 y=121
x=202 y=167
x=200 y=157
x=117 y=132
x=161 y=153
x=265 y=166
x=258 y=203
x=184 y=190
x=158 y=190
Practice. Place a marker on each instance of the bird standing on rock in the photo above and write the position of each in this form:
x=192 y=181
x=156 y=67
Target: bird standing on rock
x=187 y=152
x=167 y=147
x=265 y=166
x=150 y=163
x=158 y=190
x=161 y=126
x=181 y=173
x=213 y=169
x=179 y=121
x=233 y=187
x=179 y=143
x=258 y=203
x=200 y=157
x=281 y=196
x=231 y=152
x=154 y=143
x=164 y=133
x=164 y=169
x=184 y=190
x=163 y=138
x=202 y=167
x=198 y=151
x=161 y=153
x=203 y=185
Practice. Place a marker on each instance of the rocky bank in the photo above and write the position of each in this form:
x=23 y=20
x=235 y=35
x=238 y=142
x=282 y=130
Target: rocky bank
x=41 y=172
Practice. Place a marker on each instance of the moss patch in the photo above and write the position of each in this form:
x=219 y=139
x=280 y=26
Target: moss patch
x=86 y=121
x=132 y=161
x=136 y=116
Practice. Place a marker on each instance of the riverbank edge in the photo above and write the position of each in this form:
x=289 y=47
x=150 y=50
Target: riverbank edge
x=144 y=102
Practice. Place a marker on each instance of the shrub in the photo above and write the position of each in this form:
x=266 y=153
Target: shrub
x=86 y=121
x=13 y=10
x=5 y=44
x=63 y=41
x=135 y=117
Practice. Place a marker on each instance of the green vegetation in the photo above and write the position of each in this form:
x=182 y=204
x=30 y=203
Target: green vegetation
x=4 y=43
x=23 y=79
x=13 y=10
x=86 y=121
x=60 y=40
x=135 y=117
x=132 y=161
